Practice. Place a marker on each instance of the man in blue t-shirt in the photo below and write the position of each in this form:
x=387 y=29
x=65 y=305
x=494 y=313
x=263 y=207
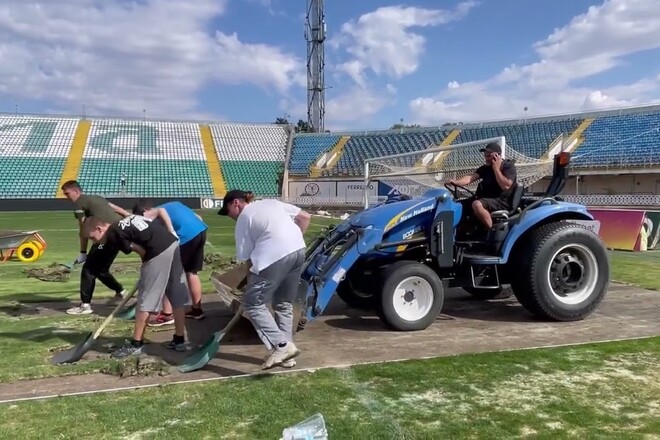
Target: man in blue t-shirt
x=191 y=231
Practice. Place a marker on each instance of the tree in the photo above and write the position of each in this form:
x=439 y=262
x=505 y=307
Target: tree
x=302 y=127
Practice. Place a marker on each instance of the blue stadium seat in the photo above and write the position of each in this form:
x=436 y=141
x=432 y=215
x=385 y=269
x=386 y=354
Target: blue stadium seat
x=631 y=140
x=367 y=146
x=307 y=147
x=531 y=138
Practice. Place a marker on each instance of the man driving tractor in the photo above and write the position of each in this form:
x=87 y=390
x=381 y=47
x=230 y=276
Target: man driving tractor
x=495 y=191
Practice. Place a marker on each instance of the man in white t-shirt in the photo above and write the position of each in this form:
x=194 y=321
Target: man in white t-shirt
x=269 y=236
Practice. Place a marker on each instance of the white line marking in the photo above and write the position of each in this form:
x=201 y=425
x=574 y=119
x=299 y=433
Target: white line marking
x=311 y=369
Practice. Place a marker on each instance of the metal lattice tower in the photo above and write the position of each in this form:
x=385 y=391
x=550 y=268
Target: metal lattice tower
x=315 y=37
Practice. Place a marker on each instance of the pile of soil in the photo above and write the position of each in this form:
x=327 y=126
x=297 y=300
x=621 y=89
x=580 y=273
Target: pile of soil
x=137 y=366
x=55 y=272
x=218 y=262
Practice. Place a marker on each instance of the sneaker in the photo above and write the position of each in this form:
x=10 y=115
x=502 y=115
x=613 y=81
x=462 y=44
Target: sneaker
x=280 y=355
x=127 y=350
x=176 y=346
x=161 y=319
x=195 y=313
x=286 y=364
x=82 y=309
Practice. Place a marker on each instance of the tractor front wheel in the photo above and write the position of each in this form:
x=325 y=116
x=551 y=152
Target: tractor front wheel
x=359 y=288
x=411 y=298
x=564 y=272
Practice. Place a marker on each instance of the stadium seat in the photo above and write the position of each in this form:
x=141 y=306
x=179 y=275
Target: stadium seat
x=367 y=146
x=251 y=155
x=531 y=138
x=307 y=147
x=33 y=152
x=159 y=159
x=631 y=140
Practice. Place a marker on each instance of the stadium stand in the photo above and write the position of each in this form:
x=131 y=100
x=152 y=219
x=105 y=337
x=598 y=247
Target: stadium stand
x=188 y=159
x=33 y=151
x=159 y=159
x=363 y=146
x=251 y=156
x=307 y=148
x=621 y=141
x=531 y=138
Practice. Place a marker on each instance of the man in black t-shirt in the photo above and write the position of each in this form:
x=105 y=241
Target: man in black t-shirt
x=495 y=191
x=161 y=272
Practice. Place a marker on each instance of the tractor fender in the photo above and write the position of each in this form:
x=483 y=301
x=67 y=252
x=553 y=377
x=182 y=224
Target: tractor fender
x=536 y=217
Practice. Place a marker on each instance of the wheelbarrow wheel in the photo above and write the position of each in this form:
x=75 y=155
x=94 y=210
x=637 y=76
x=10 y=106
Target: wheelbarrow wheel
x=28 y=252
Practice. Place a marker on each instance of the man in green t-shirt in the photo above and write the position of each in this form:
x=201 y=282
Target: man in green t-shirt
x=96 y=262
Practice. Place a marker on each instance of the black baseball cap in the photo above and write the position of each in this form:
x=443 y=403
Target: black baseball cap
x=493 y=147
x=232 y=195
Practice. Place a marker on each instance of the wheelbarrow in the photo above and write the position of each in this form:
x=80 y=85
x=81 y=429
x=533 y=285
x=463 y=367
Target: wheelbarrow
x=26 y=246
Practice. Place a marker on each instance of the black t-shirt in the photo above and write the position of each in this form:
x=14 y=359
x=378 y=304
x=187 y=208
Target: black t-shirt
x=152 y=236
x=488 y=187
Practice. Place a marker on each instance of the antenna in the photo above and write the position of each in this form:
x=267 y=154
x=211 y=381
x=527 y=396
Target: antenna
x=315 y=36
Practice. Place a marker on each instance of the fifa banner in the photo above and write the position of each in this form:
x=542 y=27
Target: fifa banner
x=627 y=229
x=210 y=203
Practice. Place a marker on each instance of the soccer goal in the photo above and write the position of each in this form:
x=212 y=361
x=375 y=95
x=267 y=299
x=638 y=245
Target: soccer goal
x=413 y=173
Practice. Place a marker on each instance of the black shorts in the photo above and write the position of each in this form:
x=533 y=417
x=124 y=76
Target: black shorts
x=491 y=204
x=192 y=253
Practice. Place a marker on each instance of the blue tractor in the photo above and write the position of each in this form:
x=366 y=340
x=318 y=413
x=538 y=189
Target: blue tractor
x=399 y=257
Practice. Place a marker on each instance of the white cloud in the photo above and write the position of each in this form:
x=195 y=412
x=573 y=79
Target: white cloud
x=590 y=44
x=121 y=57
x=354 y=107
x=383 y=41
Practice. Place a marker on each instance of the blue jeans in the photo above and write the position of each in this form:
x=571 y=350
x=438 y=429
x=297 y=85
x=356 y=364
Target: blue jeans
x=278 y=284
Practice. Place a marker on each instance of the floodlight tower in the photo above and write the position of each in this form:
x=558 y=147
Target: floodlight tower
x=315 y=37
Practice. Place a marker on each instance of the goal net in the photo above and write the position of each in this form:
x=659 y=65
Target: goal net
x=416 y=172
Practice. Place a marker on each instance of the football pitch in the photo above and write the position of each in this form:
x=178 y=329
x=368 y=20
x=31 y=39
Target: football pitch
x=605 y=389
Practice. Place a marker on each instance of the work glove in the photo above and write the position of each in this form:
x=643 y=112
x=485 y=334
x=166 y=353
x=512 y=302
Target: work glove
x=82 y=257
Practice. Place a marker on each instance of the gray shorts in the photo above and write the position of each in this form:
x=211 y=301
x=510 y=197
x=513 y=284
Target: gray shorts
x=163 y=275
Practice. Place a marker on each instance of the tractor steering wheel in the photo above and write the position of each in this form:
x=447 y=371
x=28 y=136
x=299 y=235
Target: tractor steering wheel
x=455 y=191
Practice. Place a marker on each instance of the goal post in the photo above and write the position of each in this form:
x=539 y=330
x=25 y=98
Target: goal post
x=415 y=172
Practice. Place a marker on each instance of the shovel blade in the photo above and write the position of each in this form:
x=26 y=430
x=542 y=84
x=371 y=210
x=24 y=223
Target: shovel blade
x=202 y=356
x=128 y=313
x=74 y=354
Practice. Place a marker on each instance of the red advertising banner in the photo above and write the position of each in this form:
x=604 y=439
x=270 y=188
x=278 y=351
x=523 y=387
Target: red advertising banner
x=620 y=229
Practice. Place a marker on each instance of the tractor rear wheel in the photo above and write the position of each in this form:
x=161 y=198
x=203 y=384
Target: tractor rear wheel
x=411 y=298
x=564 y=272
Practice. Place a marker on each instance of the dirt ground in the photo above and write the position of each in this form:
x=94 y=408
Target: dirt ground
x=343 y=337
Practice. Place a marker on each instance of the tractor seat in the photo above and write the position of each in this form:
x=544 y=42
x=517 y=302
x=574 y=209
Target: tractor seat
x=503 y=215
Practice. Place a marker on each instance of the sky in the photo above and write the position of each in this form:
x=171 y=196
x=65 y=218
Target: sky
x=424 y=62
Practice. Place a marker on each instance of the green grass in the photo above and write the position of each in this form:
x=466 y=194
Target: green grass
x=608 y=390
x=638 y=268
x=604 y=390
x=27 y=337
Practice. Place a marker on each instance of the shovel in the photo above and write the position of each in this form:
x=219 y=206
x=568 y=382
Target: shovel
x=208 y=350
x=76 y=353
x=128 y=314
